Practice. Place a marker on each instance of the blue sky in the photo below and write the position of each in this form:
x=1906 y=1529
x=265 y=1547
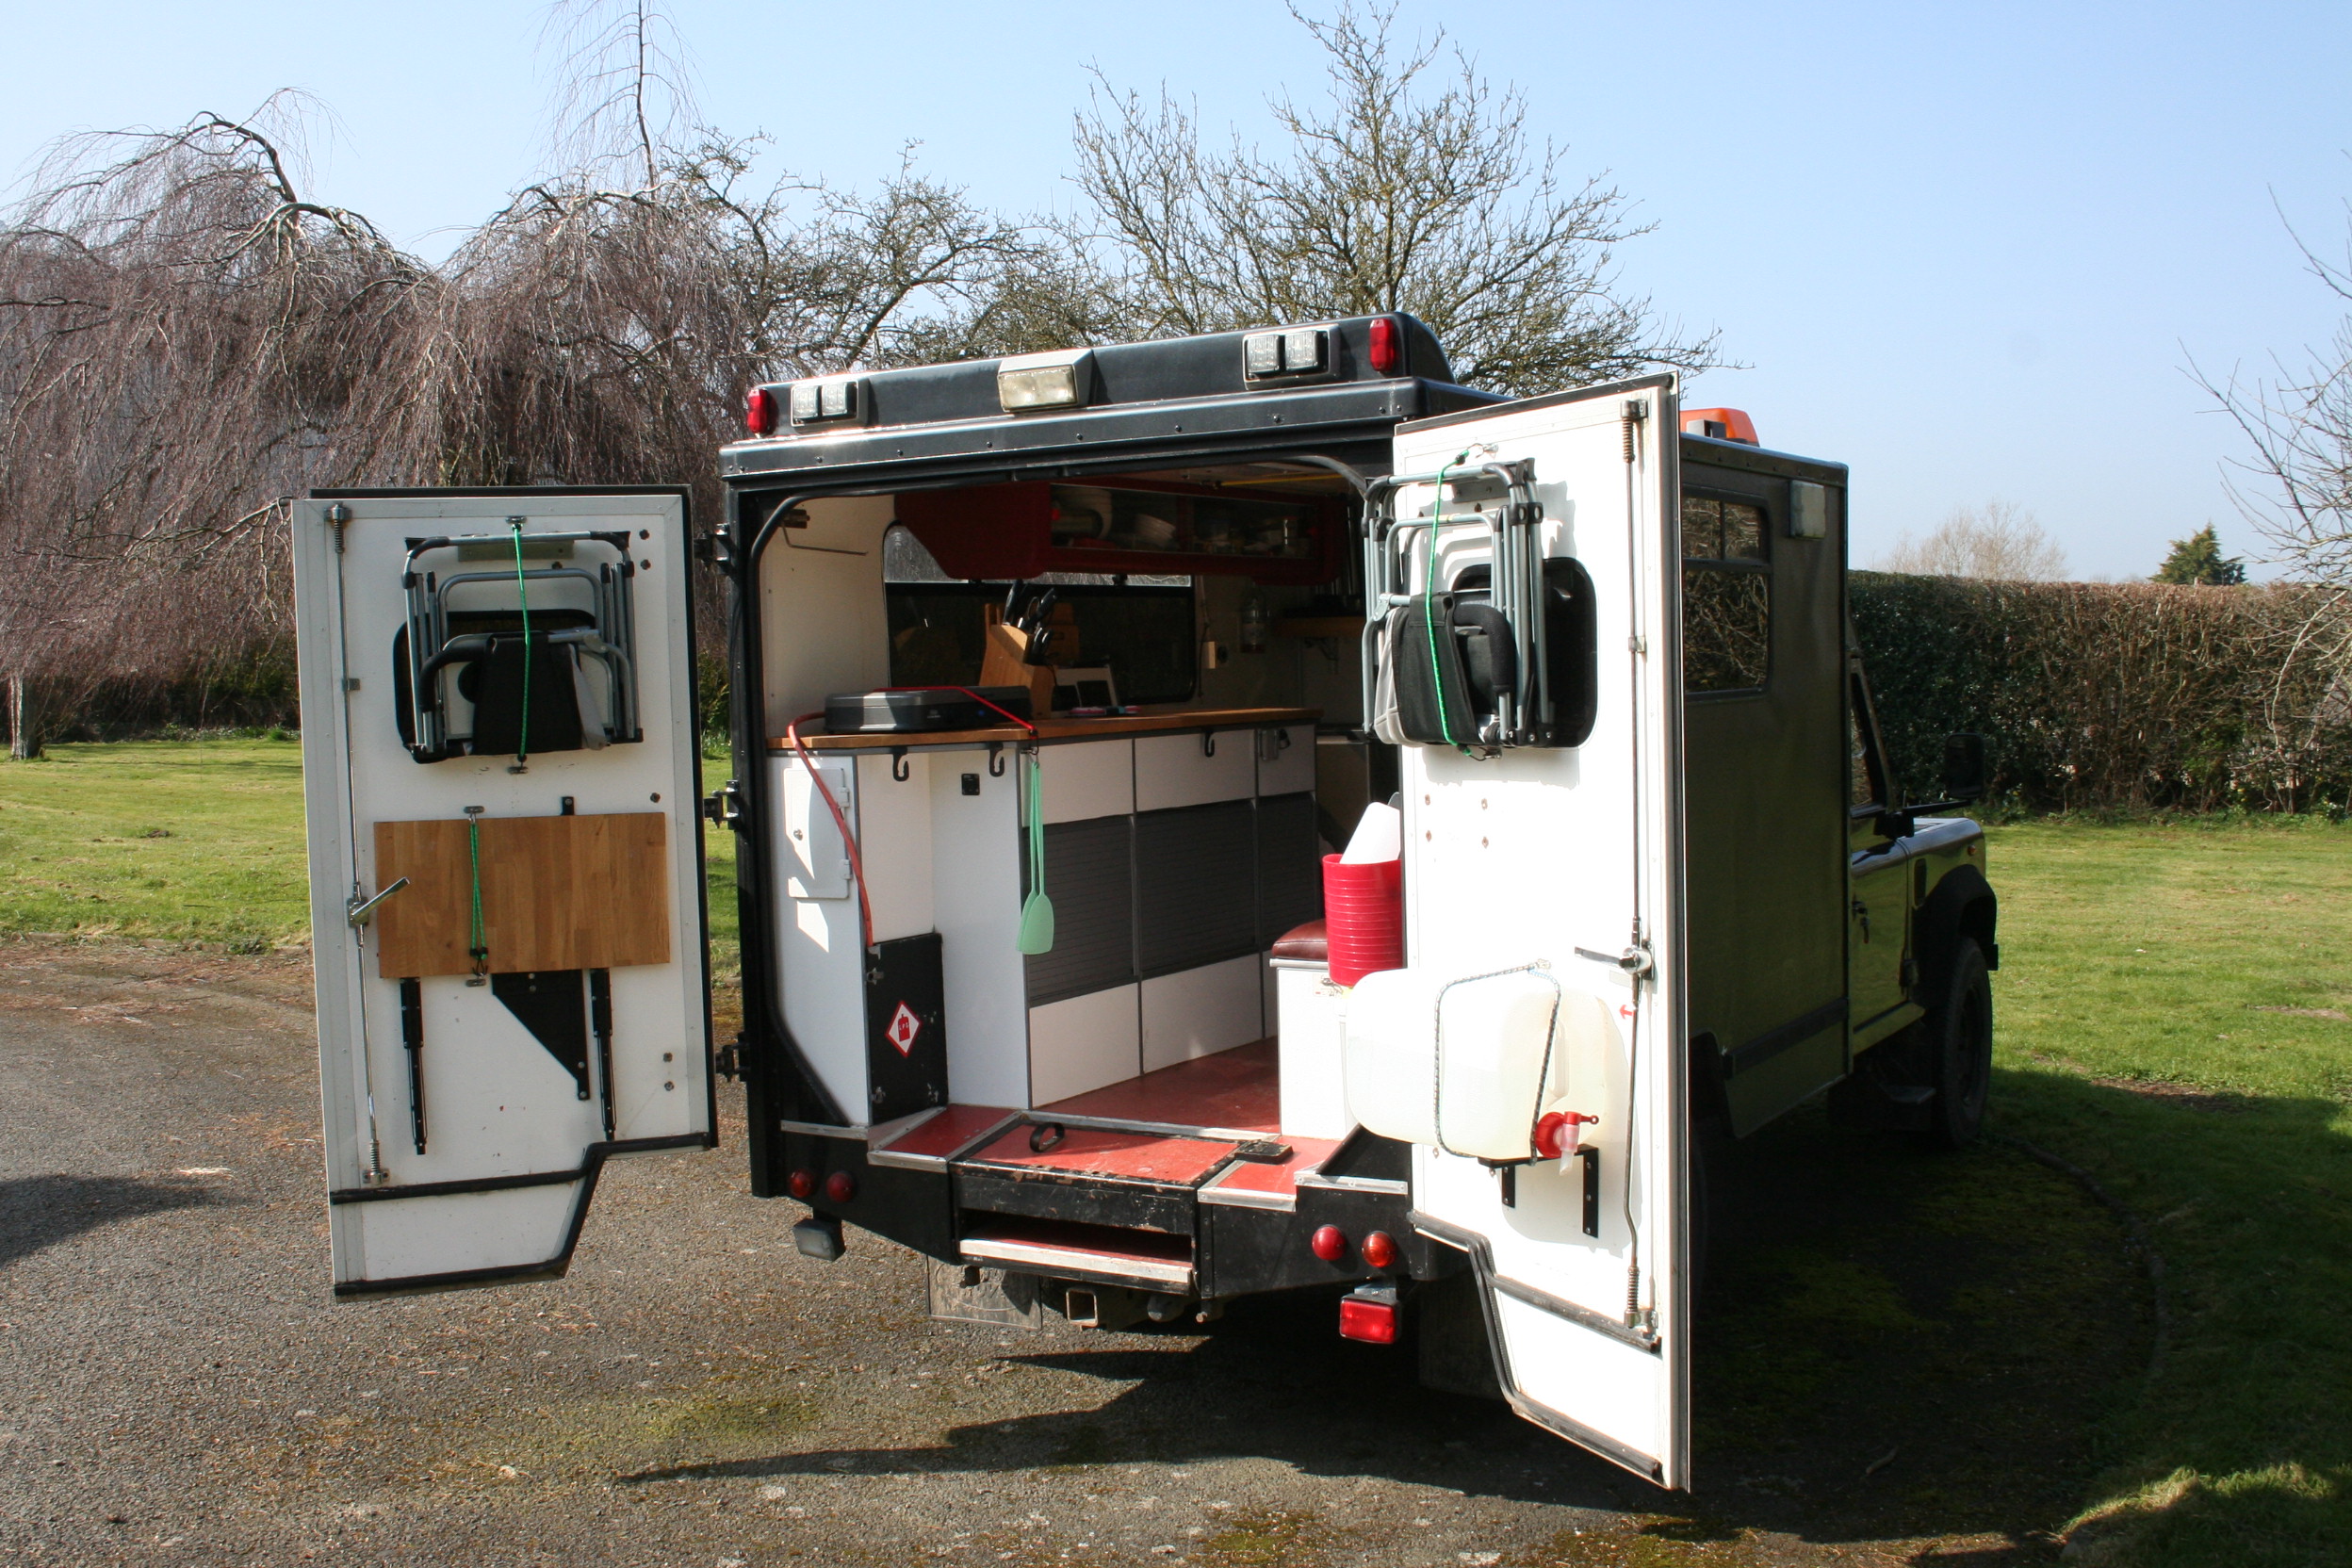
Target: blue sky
x=1969 y=251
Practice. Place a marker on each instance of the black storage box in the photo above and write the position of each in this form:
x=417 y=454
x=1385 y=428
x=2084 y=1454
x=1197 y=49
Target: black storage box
x=919 y=708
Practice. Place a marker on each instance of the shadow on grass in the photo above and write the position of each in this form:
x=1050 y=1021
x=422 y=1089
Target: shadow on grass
x=1895 y=1345
x=37 y=1211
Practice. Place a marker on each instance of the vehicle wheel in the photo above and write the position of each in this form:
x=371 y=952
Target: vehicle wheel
x=1959 y=1031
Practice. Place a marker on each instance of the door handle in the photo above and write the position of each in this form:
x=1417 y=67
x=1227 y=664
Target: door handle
x=1862 y=913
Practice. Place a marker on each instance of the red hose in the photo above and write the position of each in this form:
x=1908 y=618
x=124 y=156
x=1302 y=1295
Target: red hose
x=849 y=839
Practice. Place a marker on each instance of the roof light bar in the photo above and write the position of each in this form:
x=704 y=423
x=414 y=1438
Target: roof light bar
x=1031 y=383
x=824 y=401
x=1290 y=352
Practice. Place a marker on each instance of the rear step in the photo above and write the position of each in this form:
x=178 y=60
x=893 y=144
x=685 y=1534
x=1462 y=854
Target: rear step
x=1146 y=1260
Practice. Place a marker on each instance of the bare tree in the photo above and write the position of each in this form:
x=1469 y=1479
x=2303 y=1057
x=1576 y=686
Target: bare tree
x=1412 y=187
x=185 y=336
x=1999 y=541
x=2294 y=485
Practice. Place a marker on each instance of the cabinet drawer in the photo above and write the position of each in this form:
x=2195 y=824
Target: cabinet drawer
x=1092 y=778
x=1286 y=760
x=1182 y=770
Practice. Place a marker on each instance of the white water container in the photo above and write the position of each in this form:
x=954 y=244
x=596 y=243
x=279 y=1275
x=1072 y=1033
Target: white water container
x=1380 y=836
x=1467 y=1065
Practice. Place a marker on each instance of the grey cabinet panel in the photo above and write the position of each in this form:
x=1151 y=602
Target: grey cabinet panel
x=1089 y=876
x=1196 y=899
x=1290 y=872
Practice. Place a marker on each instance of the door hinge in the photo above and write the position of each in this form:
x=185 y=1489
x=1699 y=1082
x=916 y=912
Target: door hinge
x=724 y=805
x=727 y=1061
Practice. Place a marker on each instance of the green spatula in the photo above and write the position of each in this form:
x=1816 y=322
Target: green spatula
x=1037 y=912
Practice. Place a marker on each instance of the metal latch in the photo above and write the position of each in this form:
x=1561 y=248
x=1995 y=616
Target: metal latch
x=724 y=805
x=1634 y=961
x=357 y=909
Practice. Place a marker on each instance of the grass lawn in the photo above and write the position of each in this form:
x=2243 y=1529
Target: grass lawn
x=194 y=840
x=2175 y=1008
x=2174 y=1015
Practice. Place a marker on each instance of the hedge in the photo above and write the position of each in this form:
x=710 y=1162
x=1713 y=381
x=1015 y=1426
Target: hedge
x=2113 y=696
x=2096 y=696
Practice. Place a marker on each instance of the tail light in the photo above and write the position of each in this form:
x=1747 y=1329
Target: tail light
x=1330 y=1243
x=1369 y=1320
x=839 y=1187
x=760 y=411
x=1378 y=1249
x=1385 y=352
x=800 y=1184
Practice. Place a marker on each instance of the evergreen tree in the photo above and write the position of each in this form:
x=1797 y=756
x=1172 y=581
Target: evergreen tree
x=2198 y=559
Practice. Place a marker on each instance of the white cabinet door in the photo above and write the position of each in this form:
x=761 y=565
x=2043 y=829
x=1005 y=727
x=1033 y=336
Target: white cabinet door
x=497 y=705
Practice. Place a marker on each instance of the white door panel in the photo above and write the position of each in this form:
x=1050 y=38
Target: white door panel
x=516 y=1116
x=1082 y=1043
x=1568 y=859
x=1199 y=1012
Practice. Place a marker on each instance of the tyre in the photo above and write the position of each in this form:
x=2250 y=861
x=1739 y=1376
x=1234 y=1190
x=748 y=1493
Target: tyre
x=1958 y=1032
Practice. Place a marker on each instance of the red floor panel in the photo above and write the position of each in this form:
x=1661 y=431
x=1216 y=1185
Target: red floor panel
x=1237 y=1089
x=1142 y=1156
x=947 y=1132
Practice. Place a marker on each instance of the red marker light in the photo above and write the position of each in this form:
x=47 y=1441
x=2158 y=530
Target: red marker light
x=1330 y=1243
x=1370 y=1322
x=1379 y=1249
x=1385 y=351
x=800 y=1184
x=839 y=1187
x=760 y=411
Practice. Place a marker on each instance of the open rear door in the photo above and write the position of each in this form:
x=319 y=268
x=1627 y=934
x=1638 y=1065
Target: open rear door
x=500 y=769
x=1544 y=916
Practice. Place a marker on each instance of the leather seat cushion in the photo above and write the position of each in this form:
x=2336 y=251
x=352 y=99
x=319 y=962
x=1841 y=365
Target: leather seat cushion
x=1305 y=944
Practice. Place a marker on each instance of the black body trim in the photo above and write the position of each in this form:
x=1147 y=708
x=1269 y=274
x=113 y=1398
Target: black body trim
x=592 y=1163
x=1483 y=1263
x=1772 y=1041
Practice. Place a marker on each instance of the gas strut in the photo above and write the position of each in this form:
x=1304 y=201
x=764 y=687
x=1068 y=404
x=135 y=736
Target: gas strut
x=413 y=1036
x=600 y=1022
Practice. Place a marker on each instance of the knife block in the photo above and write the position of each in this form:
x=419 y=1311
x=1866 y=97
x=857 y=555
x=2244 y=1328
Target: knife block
x=1006 y=662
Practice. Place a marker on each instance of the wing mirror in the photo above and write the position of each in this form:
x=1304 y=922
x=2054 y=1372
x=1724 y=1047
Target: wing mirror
x=1965 y=772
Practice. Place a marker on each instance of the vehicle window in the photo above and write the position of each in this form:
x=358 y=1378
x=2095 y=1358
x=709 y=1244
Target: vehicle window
x=1144 y=633
x=1860 y=789
x=1726 y=595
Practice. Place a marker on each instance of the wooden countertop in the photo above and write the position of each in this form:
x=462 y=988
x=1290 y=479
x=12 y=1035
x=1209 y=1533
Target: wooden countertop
x=1163 y=721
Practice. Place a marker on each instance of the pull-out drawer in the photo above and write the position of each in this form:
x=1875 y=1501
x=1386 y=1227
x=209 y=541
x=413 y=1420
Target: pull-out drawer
x=1286 y=760
x=1090 y=779
x=1194 y=769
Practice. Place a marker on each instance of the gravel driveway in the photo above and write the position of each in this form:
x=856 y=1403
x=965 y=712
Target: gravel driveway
x=176 y=1385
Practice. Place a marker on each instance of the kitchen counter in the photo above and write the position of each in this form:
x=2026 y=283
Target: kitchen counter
x=1158 y=722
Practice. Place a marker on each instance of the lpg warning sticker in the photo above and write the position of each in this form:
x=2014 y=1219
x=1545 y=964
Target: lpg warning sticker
x=904 y=1027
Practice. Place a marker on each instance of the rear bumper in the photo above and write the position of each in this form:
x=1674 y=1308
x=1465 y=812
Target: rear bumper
x=1205 y=1224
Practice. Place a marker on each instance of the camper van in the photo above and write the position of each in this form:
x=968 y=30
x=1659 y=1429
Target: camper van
x=1214 y=816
